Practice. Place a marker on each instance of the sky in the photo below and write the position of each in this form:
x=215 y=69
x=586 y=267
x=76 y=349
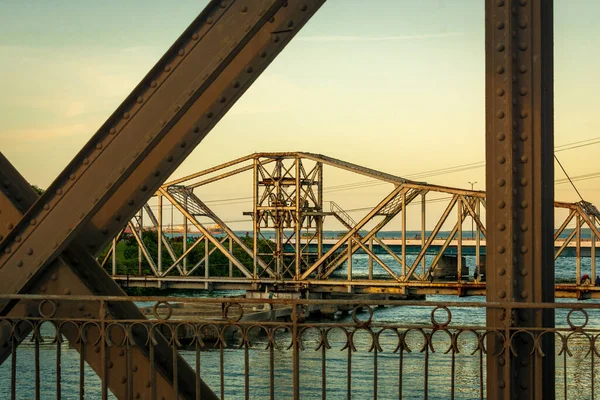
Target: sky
x=393 y=85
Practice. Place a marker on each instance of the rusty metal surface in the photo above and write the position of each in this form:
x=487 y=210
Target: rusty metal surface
x=439 y=355
x=77 y=273
x=161 y=122
x=520 y=189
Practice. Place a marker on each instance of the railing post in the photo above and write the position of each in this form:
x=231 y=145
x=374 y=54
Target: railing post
x=295 y=352
x=520 y=192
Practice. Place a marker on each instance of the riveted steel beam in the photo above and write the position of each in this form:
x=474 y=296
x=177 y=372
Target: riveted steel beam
x=520 y=193
x=75 y=272
x=216 y=59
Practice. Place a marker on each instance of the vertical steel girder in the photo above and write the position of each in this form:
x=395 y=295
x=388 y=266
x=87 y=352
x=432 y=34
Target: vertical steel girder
x=166 y=116
x=285 y=200
x=520 y=193
x=77 y=273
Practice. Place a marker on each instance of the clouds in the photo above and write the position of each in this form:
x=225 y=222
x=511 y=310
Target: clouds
x=43 y=133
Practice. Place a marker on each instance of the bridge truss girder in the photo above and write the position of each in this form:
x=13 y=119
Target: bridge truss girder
x=195 y=83
x=276 y=205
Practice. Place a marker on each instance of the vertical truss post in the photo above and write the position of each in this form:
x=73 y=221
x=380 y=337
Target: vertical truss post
x=114 y=257
x=520 y=192
x=159 y=232
x=423 y=208
x=319 y=222
x=478 y=234
x=141 y=233
x=578 y=249
x=206 y=261
x=593 y=250
x=459 y=207
x=255 y=219
x=297 y=222
x=403 y=233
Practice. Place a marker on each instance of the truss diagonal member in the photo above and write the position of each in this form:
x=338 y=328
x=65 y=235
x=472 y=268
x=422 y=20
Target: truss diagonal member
x=209 y=213
x=349 y=223
x=391 y=210
x=431 y=237
x=203 y=259
x=216 y=59
x=220 y=176
x=164 y=240
x=145 y=251
x=447 y=242
x=585 y=215
x=566 y=222
x=568 y=239
x=76 y=272
x=209 y=170
x=352 y=231
x=469 y=207
x=206 y=233
x=108 y=253
x=378 y=260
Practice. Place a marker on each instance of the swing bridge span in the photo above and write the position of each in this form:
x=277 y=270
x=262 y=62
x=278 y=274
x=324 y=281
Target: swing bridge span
x=289 y=247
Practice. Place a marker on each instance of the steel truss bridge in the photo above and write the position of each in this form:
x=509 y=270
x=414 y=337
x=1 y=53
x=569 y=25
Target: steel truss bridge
x=49 y=244
x=288 y=216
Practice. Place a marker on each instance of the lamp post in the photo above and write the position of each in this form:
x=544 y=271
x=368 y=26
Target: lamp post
x=472 y=220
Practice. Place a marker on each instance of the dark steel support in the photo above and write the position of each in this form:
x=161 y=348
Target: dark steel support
x=76 y=272
x=216 y=59
x=520 y=193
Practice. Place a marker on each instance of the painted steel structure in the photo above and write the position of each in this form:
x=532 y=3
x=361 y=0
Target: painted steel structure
x=439 y=356
x=48 y=244
x=288 y=247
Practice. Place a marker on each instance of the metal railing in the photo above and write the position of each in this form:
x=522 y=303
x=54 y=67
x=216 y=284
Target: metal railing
x=285 y=348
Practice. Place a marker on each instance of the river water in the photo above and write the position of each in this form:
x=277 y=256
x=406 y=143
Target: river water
x=466 y=377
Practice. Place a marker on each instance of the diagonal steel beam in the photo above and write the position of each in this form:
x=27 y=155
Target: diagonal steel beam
x=194 y=200
x=353 y=231
x=78 y=273
x=394 y=209
x=206 y=233
x=449 y=239
x=163 y=238
x=167 y=115
x=431 y=237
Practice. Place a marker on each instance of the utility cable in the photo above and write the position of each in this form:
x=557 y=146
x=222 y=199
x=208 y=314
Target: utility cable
x=568 y=177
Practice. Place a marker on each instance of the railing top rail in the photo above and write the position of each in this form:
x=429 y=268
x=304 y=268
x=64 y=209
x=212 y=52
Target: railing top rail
x=356 y=301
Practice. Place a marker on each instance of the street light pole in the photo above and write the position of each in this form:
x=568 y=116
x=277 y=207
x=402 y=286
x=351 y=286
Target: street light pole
x=472 y=220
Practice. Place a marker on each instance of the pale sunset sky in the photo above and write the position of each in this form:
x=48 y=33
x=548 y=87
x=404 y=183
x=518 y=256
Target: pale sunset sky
x=389 y=84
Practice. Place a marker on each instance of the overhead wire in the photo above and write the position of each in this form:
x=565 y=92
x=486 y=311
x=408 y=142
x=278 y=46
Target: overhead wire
x=425 y=174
